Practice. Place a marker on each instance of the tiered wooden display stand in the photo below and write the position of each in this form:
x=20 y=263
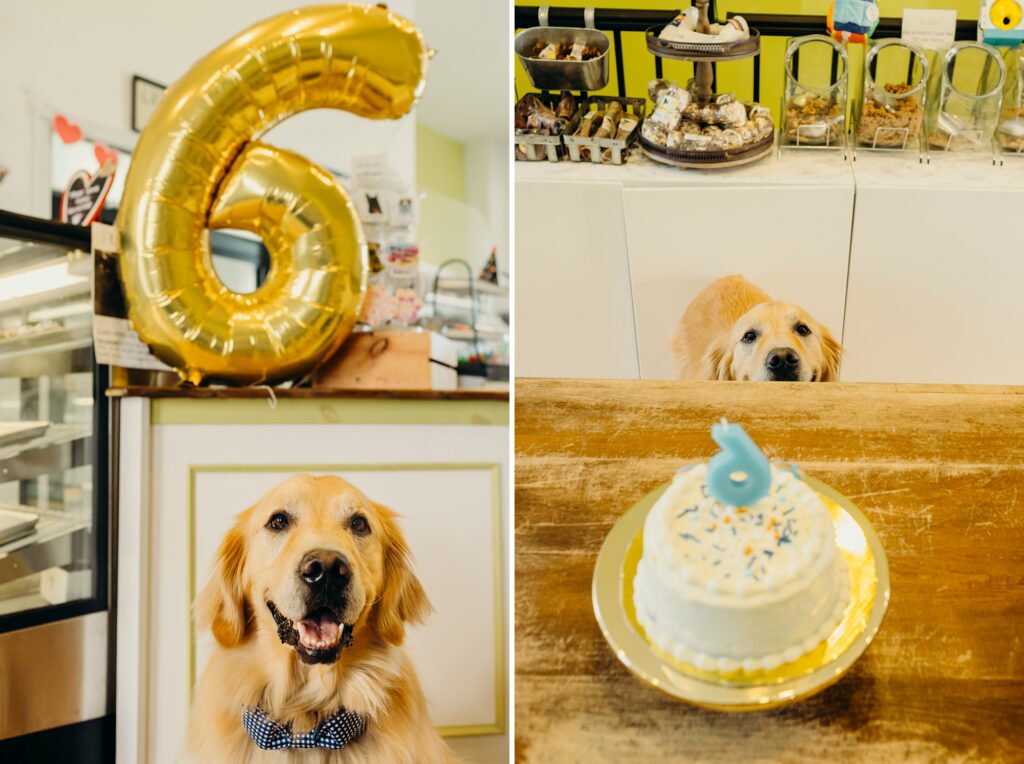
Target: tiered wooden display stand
x=703 y=56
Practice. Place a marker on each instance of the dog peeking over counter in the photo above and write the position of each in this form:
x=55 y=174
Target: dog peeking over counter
x=734 y=331
x=308 y=602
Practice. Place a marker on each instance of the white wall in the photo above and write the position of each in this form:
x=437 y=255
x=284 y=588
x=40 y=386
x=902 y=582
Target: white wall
x=77 y=59
x=487 y=189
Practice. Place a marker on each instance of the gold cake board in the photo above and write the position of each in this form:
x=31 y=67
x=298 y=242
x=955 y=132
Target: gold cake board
x=743 y=690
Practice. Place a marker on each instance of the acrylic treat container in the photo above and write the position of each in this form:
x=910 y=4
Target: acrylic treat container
x=1010 y=131
x=890 y=114
x=813 y=111
x=966 y=98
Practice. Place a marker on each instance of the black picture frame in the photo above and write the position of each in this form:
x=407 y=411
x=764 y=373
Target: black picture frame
x=138 y=80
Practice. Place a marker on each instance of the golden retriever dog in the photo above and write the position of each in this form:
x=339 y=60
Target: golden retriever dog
x=308 y=602
x=734 y=331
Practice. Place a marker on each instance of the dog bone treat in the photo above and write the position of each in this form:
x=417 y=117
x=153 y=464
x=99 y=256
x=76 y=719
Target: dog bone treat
x=724 y=124
x=691 y=135
x=670 y=101
x=725 y=588
x=889 y=120
x=564 y=51
x=531 y=114
x=726 y=111
x=683 y=28
x=811 y=119
x=566 y=107
x=610 y=122
x=590 y=123
x=626 y=127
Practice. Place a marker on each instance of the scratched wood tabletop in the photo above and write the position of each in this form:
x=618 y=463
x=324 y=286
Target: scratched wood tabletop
x=939 y=472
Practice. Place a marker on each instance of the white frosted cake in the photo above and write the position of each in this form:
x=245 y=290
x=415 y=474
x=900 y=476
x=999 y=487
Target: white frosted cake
x=724 y=588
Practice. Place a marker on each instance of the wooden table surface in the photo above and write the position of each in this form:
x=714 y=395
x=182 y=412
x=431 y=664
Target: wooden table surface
x=938 y=470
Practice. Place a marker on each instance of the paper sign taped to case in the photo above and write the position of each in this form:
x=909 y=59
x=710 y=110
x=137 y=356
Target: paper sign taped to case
x=115 y=342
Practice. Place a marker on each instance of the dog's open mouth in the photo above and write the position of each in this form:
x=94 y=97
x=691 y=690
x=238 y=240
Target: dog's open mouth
x=319 y=637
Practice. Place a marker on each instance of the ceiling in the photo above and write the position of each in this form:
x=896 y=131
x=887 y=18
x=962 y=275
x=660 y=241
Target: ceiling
x=467 y=92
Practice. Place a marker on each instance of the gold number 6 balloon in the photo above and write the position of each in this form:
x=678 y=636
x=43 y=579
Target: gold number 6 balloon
x=197 y=167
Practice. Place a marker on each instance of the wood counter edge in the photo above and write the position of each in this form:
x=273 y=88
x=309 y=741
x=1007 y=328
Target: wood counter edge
x=530 y=384
x=226 y=393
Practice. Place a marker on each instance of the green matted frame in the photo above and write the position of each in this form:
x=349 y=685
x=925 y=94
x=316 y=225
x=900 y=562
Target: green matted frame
x=498 y=727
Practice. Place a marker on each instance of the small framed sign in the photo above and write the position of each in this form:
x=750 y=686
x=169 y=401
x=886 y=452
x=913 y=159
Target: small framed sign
x=146 y=94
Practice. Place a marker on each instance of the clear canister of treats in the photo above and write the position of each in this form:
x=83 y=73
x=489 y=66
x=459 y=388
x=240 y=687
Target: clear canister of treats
x=1010 y=132
x=814 y=103
x=966 y=97
x=890 y=113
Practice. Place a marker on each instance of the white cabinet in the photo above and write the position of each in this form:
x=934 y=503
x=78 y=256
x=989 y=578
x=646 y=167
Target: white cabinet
x=936 y=288
x=791 y=241
x=574 y=313
x=607 y=258
x=918 y=268
x=442 y=465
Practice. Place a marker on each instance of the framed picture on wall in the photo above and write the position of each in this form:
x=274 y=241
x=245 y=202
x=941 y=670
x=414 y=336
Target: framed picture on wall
x=146 y=94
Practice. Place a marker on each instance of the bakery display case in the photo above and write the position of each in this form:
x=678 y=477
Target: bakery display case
x=890 y=114
x=54 y=546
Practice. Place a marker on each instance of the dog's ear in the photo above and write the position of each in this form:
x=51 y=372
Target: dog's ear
x=717 y=361
x=402 y=599
x=222 y=606
x=833 y=356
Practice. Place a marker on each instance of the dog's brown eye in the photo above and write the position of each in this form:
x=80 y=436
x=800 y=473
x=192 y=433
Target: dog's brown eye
x=359 y=525
x=278 y=521
x=750 y=336
x=803 y=330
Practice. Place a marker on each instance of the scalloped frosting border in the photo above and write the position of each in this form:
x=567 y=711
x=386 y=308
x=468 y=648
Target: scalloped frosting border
x=725 y=665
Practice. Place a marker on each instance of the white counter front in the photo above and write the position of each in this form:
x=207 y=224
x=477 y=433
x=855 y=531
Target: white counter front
x=903 y=260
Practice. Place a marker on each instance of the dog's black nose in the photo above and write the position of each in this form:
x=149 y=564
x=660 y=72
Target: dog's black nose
x=322 y=567
x=782 y=359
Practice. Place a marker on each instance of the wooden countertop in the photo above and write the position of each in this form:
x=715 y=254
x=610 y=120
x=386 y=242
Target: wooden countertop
x=488 y=394
x=938 y=470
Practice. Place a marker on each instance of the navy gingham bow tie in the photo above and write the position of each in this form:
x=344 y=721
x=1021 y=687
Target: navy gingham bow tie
x=334 y=732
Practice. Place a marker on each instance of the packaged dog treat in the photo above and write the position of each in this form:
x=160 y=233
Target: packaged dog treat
x=566 y=107
x=611 y=120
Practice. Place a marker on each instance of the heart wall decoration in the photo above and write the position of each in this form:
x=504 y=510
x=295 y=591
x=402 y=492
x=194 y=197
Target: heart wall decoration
x=104 y=154
x=69 y=132
x=83 y=198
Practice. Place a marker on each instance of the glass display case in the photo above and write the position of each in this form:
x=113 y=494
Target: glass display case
x=54 y=544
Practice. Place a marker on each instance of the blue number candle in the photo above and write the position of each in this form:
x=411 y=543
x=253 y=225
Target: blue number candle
x=739 y=474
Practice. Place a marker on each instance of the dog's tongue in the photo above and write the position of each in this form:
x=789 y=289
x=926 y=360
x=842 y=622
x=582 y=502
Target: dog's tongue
x=319 y=631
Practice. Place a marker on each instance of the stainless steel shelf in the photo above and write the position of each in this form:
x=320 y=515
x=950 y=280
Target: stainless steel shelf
x=464 y=335
x=33 y=355
x=45 y=455
x=49 y=546
x=461 y=286
x=45 y=298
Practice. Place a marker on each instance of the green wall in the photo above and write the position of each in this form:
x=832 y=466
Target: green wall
x=737 y=76
x=441 y=179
